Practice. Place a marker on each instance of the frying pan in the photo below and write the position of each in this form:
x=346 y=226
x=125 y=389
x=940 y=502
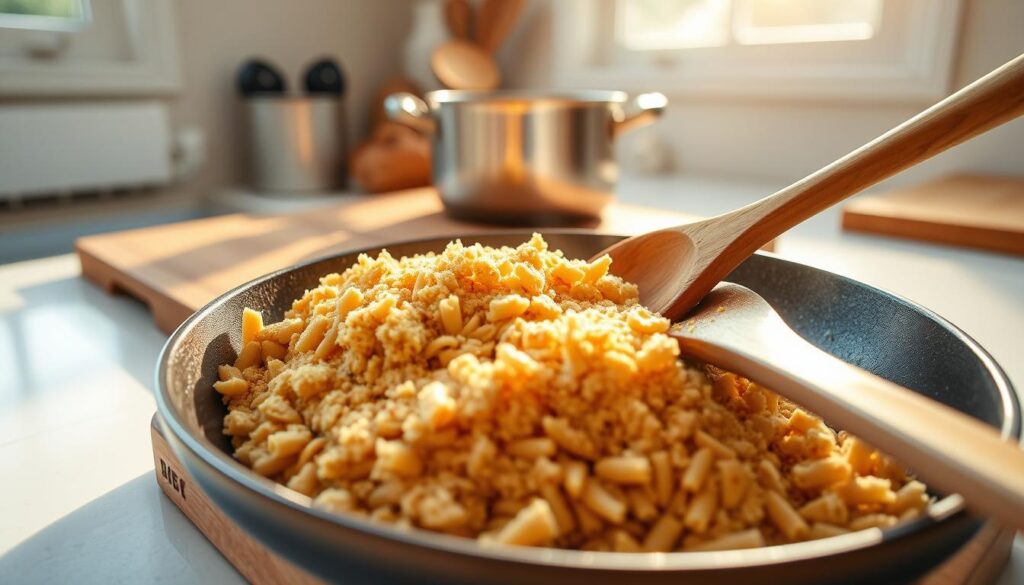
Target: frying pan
x=880 y=332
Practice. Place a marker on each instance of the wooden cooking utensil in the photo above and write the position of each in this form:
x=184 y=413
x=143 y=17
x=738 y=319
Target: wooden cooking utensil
x=458 y=14
x=676 y=267
x=495 y=20
x=461 y=64
x=734 y=328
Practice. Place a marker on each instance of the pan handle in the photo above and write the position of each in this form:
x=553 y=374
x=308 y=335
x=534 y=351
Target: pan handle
x=641 y=110
x=406 y=108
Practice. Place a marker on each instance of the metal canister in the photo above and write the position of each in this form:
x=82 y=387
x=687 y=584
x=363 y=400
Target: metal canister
x=296 y=144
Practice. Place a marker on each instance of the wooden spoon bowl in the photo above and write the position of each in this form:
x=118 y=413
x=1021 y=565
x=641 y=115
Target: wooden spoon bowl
x=460 y=64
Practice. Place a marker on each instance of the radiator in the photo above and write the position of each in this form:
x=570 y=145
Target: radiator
x=65 y=148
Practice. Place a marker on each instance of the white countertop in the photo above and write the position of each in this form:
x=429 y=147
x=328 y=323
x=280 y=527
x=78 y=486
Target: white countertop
x=80 y=502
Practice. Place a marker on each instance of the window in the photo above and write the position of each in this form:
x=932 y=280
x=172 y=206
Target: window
x=52 y=15
x=87 y=47
x=896 y=50
x=680 y=24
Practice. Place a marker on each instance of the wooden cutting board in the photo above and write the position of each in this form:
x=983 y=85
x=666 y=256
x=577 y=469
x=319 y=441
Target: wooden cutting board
x=979 y=562
x=962 y=210
x=177 y=268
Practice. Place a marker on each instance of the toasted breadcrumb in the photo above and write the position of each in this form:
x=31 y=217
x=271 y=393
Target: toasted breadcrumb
x=520 y=397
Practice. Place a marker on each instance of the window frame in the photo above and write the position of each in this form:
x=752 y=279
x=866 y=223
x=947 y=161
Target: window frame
x=916 y=69
x=152 y=68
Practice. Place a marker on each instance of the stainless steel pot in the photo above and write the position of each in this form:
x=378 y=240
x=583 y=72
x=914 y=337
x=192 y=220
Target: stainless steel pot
x=525 y=157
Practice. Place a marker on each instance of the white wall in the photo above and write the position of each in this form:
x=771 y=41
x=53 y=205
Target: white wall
x=783 y=141
x=365 y=36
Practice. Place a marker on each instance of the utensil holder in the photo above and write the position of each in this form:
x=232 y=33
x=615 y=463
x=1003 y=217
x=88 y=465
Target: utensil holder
x=296 y=144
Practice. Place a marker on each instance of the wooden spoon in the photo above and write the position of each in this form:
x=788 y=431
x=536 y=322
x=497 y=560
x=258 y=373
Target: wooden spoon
x=495 y=21
x=733 y=327
x=461 y=64
x=458 y=14
x=676 y=267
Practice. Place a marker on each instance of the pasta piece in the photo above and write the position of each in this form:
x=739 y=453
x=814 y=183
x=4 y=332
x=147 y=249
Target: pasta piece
x=533 y=525
x=820 y=473
x=481 y=455
x=735 y=479
x=623 y=541
x=717 y=447
x=398 y=458
x=226 y=372
x=532 y=448
x=568 y=438
x=280 y=332
x=544 y=307
x=872 y=521
x=858 y=455
x=642 y=505
x=575 y=478
x=785 y=518
x=597 y=269
x=268 y=465
x=231 y=387
x=289 y=441
x=702 y=509
x=644 y=321
x=507 y=307
x=770 y=476
x=437 y=407
x=802 y=422
x=625 y=470
x=328 y=344
x=311 y=337
x=529 y=279
x=567 y=273
x=386 y=494
x=751 y=538
x=451 y=315
x=698 y=469
x=471 y=325
x=603 y=503
x=252 y=323
x=559 y=507
x=866 y=490
x=912 y=496
x=822 y=530
x=664 y=534
x=663 y=477
x=347 y=302
x=273 y=349
x=305 y=480
x=827 y=508
x=250 y=356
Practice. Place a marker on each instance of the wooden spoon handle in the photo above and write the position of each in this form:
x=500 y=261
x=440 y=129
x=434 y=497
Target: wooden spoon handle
x=949 y=450
x=458 y=14
x=988 y=102
x=495 y=20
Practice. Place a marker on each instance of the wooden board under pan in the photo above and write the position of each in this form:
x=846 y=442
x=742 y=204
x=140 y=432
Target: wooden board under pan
x=177 y=268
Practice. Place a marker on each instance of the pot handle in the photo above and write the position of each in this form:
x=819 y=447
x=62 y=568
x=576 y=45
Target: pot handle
x=406 y=108
x=641 y=110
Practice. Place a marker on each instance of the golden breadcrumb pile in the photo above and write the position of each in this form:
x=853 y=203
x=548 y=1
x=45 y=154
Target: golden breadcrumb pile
x=520 y=397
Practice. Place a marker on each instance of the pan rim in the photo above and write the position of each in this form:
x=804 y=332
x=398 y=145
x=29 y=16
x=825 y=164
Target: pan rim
x=945 y=510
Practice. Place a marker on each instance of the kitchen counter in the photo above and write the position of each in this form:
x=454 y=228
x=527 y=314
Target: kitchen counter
x=80 y=501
